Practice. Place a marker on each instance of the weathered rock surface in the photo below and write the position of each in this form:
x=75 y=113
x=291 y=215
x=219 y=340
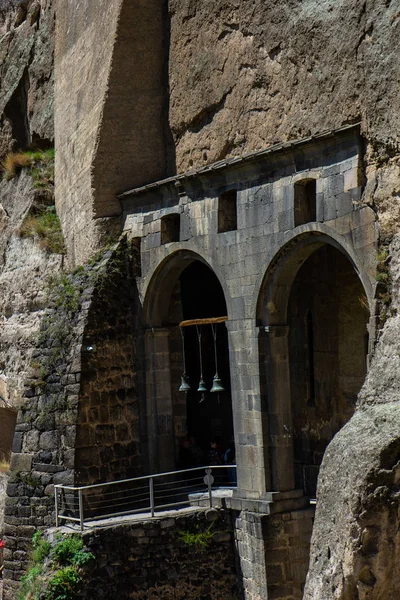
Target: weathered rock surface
x=356 y=543
x=3 y=486
x=24 y=272
x=26 y=73
x=242 y=75
x=246 y=74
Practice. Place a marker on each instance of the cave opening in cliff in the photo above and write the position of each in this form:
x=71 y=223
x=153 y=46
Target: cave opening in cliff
x=16 y=112
x=313 y=356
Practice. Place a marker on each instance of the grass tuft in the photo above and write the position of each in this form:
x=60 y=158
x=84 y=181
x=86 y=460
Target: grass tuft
x=14 y=162
x=45 y=226
x=4 y=465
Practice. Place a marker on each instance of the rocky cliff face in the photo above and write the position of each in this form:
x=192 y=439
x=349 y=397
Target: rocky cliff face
x=25 y=269
x=26 y=73
x=262 y=72
x=243 y=75
x=26 y=117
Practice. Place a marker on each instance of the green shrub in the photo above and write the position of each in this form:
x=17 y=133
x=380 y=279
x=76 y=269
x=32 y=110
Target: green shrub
x=197 y=538
x=66 y=549
x=31 y=584
x=41 y=548
x=57 y=570
x=63 y=585
x=45 y=225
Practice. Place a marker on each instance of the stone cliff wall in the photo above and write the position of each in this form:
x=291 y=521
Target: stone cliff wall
x=264 y=72
x=109 y=112
x=26 y=73
x=24 y=272
x=240 y=76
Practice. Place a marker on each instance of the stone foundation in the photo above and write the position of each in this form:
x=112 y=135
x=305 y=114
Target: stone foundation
x=148 y=560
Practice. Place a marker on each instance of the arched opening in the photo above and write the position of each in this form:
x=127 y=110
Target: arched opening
x=313 y=354
x=327 y=320
x=190 y=341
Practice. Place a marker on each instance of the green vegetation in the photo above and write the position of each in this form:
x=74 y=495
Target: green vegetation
x=57 y=569
x=39 y=162
x=14 y=163
x=44 y=224
x=196 y=537
x=41 y=548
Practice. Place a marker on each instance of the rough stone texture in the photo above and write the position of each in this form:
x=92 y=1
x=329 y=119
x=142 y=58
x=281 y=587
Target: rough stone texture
x=108 y=434
x=3 y=487
x=274 y=552
x=262 y=72
x=143 y=561
x=241 y=76
x=51 y=443
x=355 y=542
x=355 y=551
x=26 y=73
x=109 y=111
x=24 y=271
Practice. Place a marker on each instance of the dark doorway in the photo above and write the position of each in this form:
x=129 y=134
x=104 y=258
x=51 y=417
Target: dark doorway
x=204 y=416
x=327 y=318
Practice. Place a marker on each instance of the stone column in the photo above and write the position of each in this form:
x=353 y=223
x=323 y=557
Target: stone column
x=275 y=351
x=248 y=417
x=159 y=401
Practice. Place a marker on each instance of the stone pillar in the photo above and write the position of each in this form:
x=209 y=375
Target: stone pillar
x=274 y=552
x=159 y=401
x=274 y=350
x=248 y=417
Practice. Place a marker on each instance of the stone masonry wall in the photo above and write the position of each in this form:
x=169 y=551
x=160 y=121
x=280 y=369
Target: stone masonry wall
x=148 y=560
x=274 y=553
x=108 y=433
x=44 y=443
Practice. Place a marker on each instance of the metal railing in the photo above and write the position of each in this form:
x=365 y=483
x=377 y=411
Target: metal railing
x=148 y=494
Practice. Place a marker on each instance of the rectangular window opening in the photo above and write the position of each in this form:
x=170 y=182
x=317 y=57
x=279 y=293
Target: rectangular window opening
x=227 y=211
x=170 y=228
x=305 y=202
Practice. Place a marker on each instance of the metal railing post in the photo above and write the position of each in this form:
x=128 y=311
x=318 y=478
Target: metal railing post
x=151 y=488
x=209 y=478
x=56 y=504
x=80 y=496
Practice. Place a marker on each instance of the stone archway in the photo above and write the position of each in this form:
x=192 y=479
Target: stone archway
x=314 y=315
x=185 y=288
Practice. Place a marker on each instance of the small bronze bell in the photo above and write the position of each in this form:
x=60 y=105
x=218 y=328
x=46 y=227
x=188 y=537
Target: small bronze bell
x=217 y=386
x=185 y=384
x=202 y=386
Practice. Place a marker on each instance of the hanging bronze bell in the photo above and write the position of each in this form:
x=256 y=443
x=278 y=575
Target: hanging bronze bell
x=185 y=384
x=217 y=386
x=202 y=386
